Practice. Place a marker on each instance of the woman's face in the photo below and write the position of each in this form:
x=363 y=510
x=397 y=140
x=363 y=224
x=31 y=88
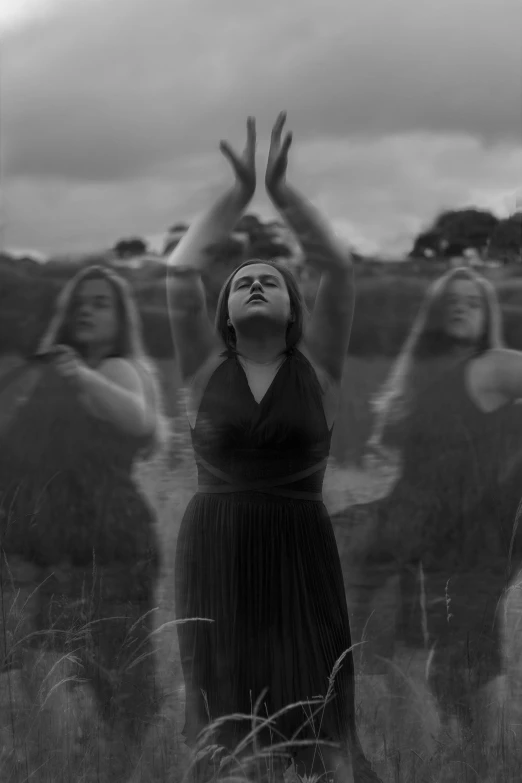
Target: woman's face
x=464 y=312
x=95 y=318
x=258 y=296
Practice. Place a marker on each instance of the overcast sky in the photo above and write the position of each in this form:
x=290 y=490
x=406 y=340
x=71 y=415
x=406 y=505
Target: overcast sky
x=112 y=111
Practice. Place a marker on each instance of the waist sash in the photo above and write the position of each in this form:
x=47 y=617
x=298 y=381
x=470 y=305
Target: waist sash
x=275 y=486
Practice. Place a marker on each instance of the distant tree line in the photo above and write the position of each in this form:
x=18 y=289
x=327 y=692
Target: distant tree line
x=387 y=296
x=251 y=234
x=454 y=232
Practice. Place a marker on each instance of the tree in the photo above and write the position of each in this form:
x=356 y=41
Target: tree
x=455 y=231
x=178 y=228
x=7 y=260
x=505 y=243
x=266 y=248
x=250 y=224
x=129 y=248
x=265 y=240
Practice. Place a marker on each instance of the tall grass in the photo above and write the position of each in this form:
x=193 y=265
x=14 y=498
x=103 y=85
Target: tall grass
x=51 y=732
x=57 y=737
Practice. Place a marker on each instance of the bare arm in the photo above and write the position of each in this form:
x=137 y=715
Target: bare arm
x=115 y=392
x=502 y=374
x=193 y=333
x=328 y=331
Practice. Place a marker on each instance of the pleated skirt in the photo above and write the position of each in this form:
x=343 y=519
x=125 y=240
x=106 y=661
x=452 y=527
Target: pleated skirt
x=261 y=578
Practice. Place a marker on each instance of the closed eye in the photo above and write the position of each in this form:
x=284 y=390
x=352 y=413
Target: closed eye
x=265 y=280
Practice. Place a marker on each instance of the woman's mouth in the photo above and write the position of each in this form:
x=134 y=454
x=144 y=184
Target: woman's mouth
x=256 y=298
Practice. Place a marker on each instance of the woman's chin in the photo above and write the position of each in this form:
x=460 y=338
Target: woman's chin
x=83 y=338
x=461 y=335
x=260 y=322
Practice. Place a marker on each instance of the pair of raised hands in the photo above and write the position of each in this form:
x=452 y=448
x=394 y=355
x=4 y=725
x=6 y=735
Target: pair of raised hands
x=244 y=165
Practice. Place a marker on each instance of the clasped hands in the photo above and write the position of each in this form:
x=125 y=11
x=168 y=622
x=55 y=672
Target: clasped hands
x=244 y=165
x=67 y=363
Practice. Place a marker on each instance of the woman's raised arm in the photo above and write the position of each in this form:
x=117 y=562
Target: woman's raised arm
x=328 y=332
x=193 y=333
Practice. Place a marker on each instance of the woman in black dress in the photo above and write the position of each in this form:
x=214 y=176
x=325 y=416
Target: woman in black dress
x=71 y=512
x=256 y=554
x=447 y=527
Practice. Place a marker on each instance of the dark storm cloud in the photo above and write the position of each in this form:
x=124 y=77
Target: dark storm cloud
x=113 y=90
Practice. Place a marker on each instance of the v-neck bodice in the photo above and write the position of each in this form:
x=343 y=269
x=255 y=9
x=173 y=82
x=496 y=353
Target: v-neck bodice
x=258 y=402
x=284 y=433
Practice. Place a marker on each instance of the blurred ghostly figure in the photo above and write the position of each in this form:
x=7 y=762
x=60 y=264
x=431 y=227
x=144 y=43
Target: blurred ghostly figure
x=443 y=537
x=78 y=541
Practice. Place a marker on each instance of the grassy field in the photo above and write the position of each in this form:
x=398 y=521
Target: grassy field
x=399 y=723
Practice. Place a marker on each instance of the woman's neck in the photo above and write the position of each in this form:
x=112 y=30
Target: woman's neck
x=94 y=356
x=462 y=350
x=443 y=346
x=264 y=353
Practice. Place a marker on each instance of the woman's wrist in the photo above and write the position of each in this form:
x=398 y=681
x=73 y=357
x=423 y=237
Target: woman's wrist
x=84 y=378
x=242 y=195
x=278 y=194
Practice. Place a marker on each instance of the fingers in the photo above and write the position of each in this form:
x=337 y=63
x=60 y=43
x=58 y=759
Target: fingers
x=251 y=133
x=65 y=358
x=229 y=153
x=64 y=361
x=226 y=149
x=287 y=143
x=67 y=368
x=63 y=350
x=278 y=126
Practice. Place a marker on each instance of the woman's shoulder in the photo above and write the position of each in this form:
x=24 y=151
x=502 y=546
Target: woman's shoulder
x=136 y=375
x=121 y=370
x=482 y=378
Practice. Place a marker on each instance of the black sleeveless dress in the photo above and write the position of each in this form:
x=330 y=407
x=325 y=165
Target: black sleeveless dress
x=70 y=507
x=257 y=558
x=447 y=529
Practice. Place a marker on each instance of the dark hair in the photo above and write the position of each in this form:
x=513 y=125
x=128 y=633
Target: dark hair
x=427 y=340
x=294 y=331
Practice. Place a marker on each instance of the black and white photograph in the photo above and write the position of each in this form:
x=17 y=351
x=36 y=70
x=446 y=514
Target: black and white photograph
x=260 y=391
